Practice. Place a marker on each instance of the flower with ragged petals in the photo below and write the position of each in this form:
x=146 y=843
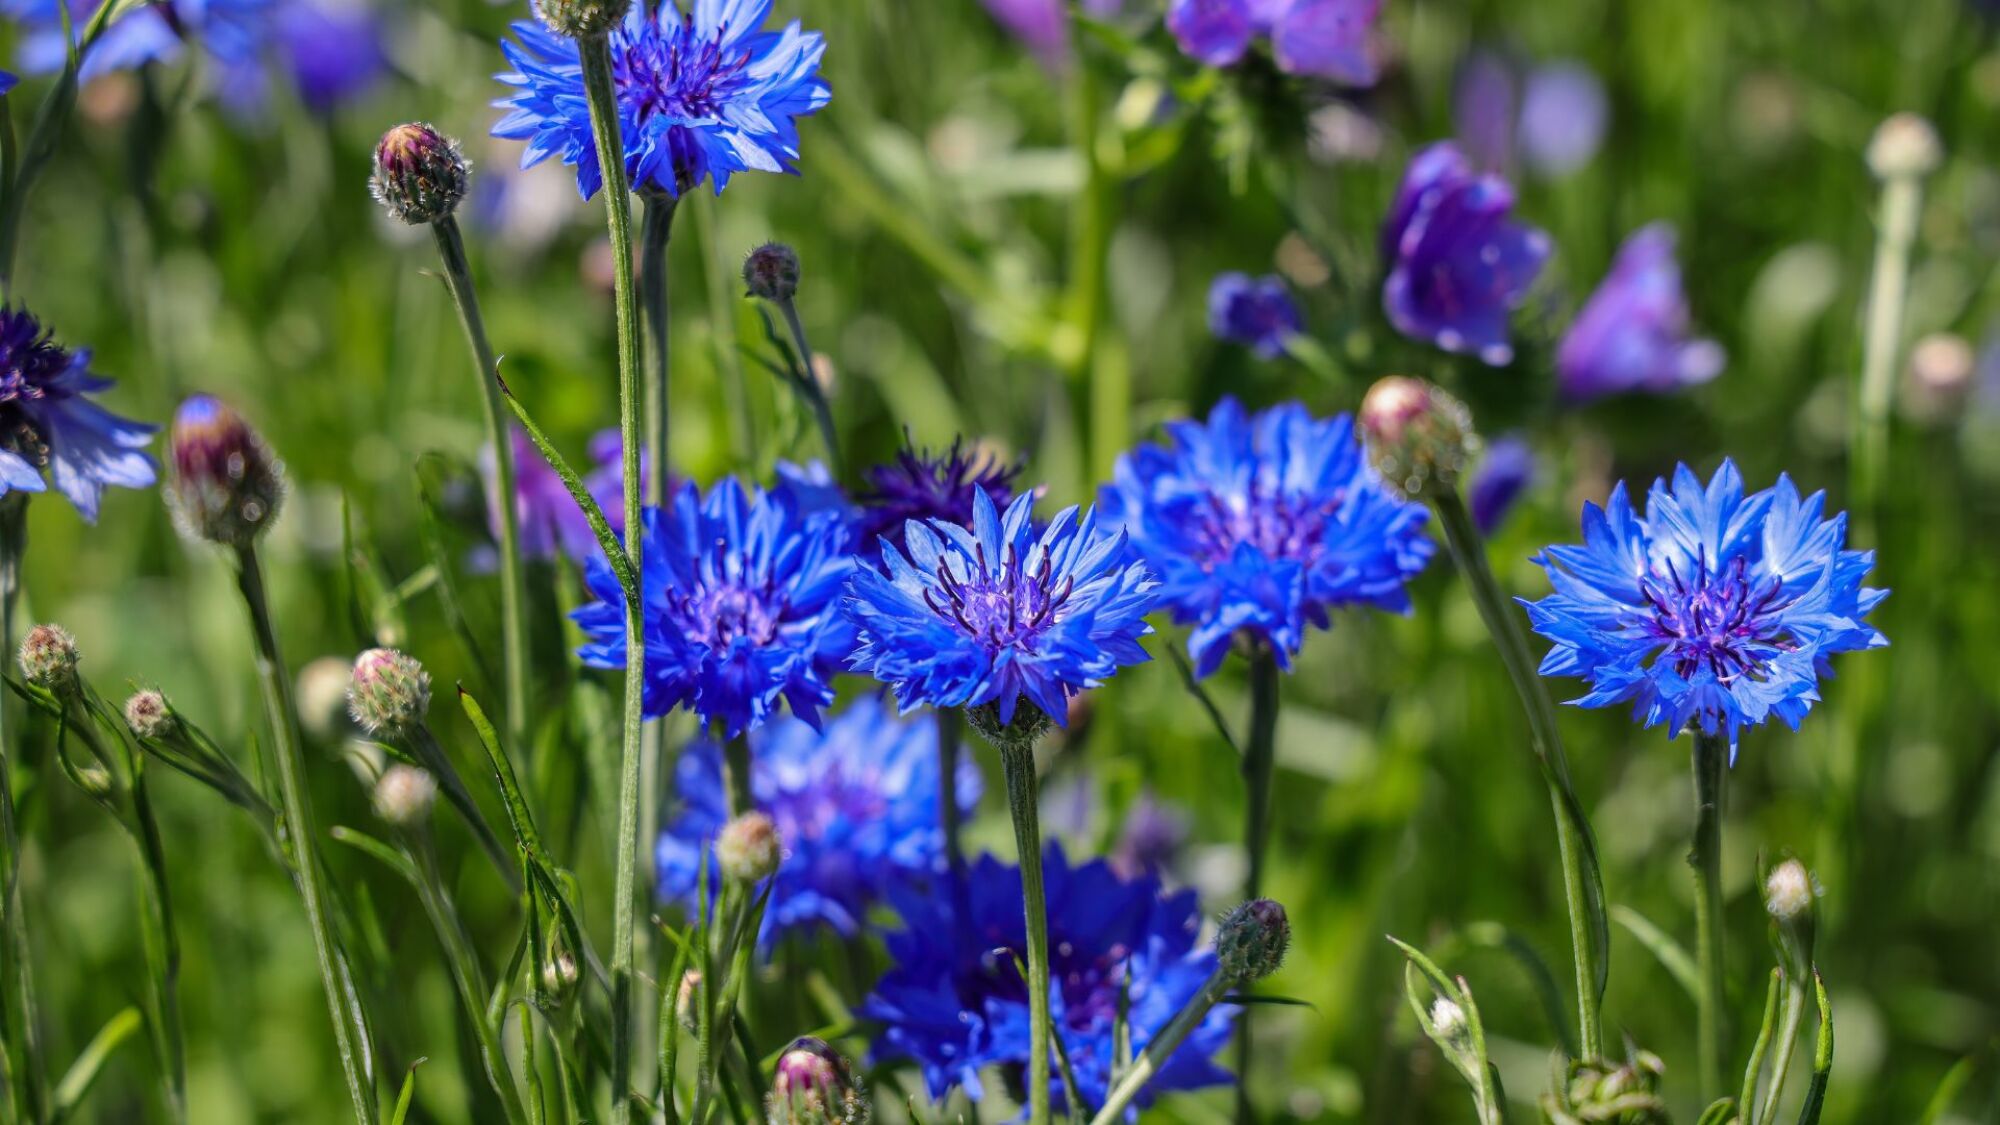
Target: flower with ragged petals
x=954 y=1001
x=739 y=589
x=1712 y=609
x=856 y=805
x=921 y=485
x=991 y=612
x=1258 y=313
x=48 y=420
x=1258 y=526
x=1632 y=334
x=702 y=95
x=1458 y=262
x=1327 y=39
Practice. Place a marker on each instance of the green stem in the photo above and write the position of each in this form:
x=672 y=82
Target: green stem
x=1788 y=1037
x=1583 y=886
x=1018 y=762
x=283 y=720
x=655 y=229
x=469 y=978
x=513 y=584
x=1711 y=757
x=814 y=393
x=1902 y=204
x=736 y=774
x=25 y=164
x=722 y=328
x=1160 y=1048
x=1746 y=1101
x=163 y=945
x=1097 y=364
x=22 y=1050
x=1259 y=761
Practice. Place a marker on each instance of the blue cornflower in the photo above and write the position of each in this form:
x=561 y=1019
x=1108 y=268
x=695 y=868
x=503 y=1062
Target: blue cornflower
x=993 y=612
x=1258 y=526
x=703 y=95
x=48 y=420
x=739 y=600
x=955 y=1002
x=1713 y=608
x=856 y=807
x=1258 y=313
x=924 y=485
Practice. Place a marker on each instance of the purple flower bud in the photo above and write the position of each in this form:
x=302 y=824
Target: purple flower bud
x=48 y=659
x=390 y=691
x=227 y=485
x=1252 y=942
x=420 y=174
x=1212 y=32
x=148 y=715
x=772 y=272
x=1563 y=116
x=1504 y=473
x=1258 y=313
x=1419 y=437
x=1632 y=334
x=1328 y=39
x=813 y=1085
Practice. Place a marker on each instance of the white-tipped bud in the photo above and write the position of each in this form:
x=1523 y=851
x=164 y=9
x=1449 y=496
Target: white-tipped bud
x=1905 y=146
x=48 y=659
x=748 y=849
x=1449 y=1020
x=687 y=1000
x=559 y=975
x=1789 y=891
x=94 y=780
x=148 y=715
x=389 y=692
x=404 y=795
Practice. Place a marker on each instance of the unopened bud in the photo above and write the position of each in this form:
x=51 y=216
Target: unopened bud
x=813 y=1085
x=420 y=174
x=1905 y=146
x=390 y=691
x=94 y=780
x=1788 y=891
x=772 y=272
x=1939 y=378
x=687 y=1000
x=148 y=715
x=581 y=19
x=1448 y=1019
x=227 y=485
x=48 y=659
x=404 y=795
x=559 y=975
x=747 y=849
x=1419 y=438
x=1253 y=939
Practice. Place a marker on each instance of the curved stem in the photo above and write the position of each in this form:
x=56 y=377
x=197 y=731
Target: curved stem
x=1160 y=1048
x=1018 y=762
x=1711 y=757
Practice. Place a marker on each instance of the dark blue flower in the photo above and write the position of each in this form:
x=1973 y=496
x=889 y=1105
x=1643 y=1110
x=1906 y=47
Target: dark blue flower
x=923 y=485
x=1505 y=472
x=1258 y=313
x=701 y=96
x=955 y=1003
x=1259 y=526
x=992 y=612
x=8 y=80
x=739 y=600
x=856 y=808
x=1632 y=334
x=48 y=421
x=1713 y=608
x=1458 y=263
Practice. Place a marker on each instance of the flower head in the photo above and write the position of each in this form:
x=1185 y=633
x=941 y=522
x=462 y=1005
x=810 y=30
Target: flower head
x=1253 y=940
x=390 y=691
x=404 y=795
x=813 y=1085
x=1258 y=313
x=701 y=95
x=924 y=485
x=1713 y=608
x=748 y=848
x=227 y=485
x=856 y=806
x=49 y=421
x=1458 y=263
x=48 y=658
x=1632 y=334
x=420 y=174
x=955 y=1003
x=148 y=715
x=1259 y=525
x=739 y=589
x=991 y=612
x=772 y=272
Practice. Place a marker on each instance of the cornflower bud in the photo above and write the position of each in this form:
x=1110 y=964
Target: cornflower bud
x=559 y=975
x=772 y=272
x=1449 y=1020
x=227 y=485
x=581 y=19
x=1788 y=891
x=148 y=715
x=94 y=780
x=1419 y=438
x=1905 y=146
x=1253 y=939
x=420 y=174
x=404 y=795
x=747 y=849
x=390 y=691
x=48 y=659
x=813 y=1085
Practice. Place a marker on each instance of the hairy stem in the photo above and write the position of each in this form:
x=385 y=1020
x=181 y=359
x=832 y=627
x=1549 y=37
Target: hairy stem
x=1160 y=1048
x=1018 y=761
x=1259 y=761
x=736 y=774
x=1711 y=757
x=20 y=1036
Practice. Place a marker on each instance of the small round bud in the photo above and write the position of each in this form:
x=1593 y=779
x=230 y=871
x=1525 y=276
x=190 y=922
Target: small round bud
x=148 y=715
x=420 y=174
x=227 y=485
x=747 y=849
x=813 y=1085
x=772 y=272
x=404 y=795
x=1253 y=939
x=1419 y=438
x=580 y=19
x=559 y=975
x=1939 y=378
x=1789 y=891
x=1449 y=1020
x=389 y=692
x=321 y=691
x=687 y=1000
x=1905 y=146
x=48 y=659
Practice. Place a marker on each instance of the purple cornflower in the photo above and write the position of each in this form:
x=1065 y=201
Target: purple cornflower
x=1632 y=334
x=923 y=485
x=1258 y=313
x=48 y=420
x=1458 y=263
x=702 y=95
x=551 y=523
x=1505 y=472
x=1326 y=39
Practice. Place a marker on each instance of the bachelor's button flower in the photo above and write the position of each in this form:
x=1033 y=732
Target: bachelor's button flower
x=856 y=806
x=48 y=420
x=701 y=96
x=1506 y=471
x=987 y=614
x=1713 y=608
x=1632 y=334
x=739 y=593
x=1258 y=313
x=924 y=485
x=954 y=1001
x=1457 y=261
x=1258 y=526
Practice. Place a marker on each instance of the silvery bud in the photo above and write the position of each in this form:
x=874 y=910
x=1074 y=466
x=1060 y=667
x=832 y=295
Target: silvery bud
x=1789 y=891
x=559 y=976
x=747 y=849
x=48 y=659
x=148 y=715
x=389 y=692
x=1253 y=939
x=813 y=1085
x=404 y=795
x=420 y=174
x=772 y=272
x=1419 y=438
x=1448 y=1019
x=227 y=485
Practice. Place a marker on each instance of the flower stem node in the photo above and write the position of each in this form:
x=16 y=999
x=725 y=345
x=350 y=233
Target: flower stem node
x=148 y=715
x=404 y=795
x=1253 y=939
x=420 y=174
x=48 y=659
x=814 y=1085
x=748 y=849
x=1905 y=146
x=580 y=19
x=389 y=691
x=1420 y=439
x=227 y=484
x=772 y=272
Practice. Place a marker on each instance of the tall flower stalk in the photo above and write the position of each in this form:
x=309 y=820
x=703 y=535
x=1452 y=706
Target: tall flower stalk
x=1016 y=744
x=1711 y=771
x=20 y=1050
x=772 y=272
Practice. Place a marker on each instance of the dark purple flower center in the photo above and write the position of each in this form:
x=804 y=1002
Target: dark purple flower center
x=677 y=73
x=1089 y=983
x=1006 y=607
x=1722 y=620
x=925 y=486
x=29 y=359
x=722 y=614
x=1280 y=526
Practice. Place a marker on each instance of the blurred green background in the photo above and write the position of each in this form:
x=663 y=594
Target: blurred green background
x=937 y=220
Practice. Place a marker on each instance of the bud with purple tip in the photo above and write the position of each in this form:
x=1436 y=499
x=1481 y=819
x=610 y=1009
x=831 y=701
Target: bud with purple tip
x=390 y=691
x=1253 y=939
x=420 y=174
x=48 y=659
x=748 y=850
x=1419 y=438
x=813 y=1085
x=772 y=272
x=148 y=714
x=227 y=485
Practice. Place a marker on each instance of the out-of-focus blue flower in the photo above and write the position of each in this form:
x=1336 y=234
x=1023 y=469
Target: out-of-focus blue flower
x=1258 y=313
x=333 y=52
x=856 y=809
x=551 y=523
x=1506 y=471
x=1563 y=116
x=991 y=612
x=954 y=1001
x=1632 y=334
x=1150 y=838
x=8 y=81
x=923 y=485
x=49 y=421
x=1326 y=39
x=1713 y=608
x=1043 y=25
x=1458 y=262
x=1257 y=527
x=1213 y=32
x=739 y=591
x=701 y=96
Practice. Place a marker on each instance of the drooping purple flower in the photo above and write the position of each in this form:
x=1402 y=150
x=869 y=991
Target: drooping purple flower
x=1563 y=116
x=1458 y=262
x=49 y=420
x=1632 y=334
x=1258 y=313
x=922 y=485
x=1504 y=473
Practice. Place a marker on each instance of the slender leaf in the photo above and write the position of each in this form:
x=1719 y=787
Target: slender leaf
x=607 y=540
x=408 y=1092
x=1822 y=1056
x=1948 y=1090
x=82 y=1073
x=1663 y=947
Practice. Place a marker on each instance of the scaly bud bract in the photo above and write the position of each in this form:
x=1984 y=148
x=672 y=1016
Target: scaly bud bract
x=580 y=19
x=147 y=713
x=1419 y=438
x=1253 y=939
x=227 y=485
x=772 y=272
x=389 y=692
x=420 y=174
x=813 y=1085
x=48 y=659
x=748 y=849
